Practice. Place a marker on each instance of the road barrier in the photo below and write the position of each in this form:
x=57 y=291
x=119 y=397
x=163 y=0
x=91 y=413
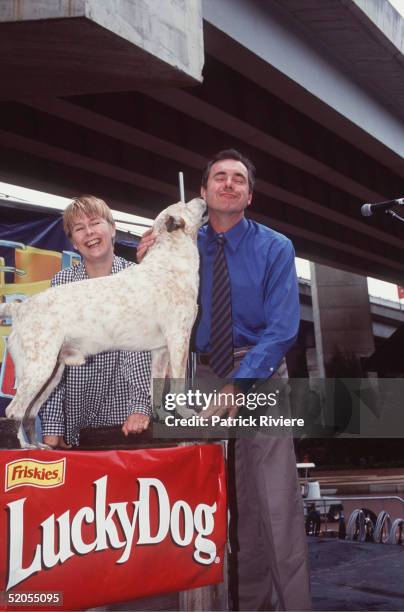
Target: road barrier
x=361 y=525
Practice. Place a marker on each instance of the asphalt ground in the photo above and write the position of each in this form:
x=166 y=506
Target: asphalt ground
x=349 y=575
x=345 y=576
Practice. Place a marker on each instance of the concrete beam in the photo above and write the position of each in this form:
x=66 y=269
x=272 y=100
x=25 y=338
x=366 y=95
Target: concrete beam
x=272 y=48
x=147 y=148
x=387 y=20
x=266 y=126
x=276 y=186
x=81 y=46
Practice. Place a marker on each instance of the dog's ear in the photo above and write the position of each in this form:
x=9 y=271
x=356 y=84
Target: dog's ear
x=173 y=224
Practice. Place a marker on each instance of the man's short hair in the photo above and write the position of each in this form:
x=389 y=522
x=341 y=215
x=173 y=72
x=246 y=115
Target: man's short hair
x=88 y=205
x=230 y=154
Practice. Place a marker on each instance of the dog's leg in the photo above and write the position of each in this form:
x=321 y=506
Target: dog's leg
x=159 y=368
x=35 y=385
x=28 y=422
x=178 y=349
x=27 y=437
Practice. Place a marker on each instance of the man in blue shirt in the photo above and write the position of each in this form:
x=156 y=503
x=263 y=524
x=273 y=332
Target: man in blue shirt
x=271 y=565
x=261 y=264
x=271 y=555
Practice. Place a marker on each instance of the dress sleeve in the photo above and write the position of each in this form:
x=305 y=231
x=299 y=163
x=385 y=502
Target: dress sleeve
x=136 y=370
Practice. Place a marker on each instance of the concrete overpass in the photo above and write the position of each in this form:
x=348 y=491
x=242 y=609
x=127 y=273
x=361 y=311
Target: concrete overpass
x=312 y=91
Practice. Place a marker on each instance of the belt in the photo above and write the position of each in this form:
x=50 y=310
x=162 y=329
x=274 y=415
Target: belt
x=238 y=353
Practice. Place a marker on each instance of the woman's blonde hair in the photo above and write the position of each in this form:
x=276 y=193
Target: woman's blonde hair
x=87 y=205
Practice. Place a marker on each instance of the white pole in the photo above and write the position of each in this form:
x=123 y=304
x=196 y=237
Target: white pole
x=191 y=363
x=181 y=182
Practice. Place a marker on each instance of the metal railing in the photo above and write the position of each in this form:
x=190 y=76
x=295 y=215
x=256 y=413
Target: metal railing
x=360 y=526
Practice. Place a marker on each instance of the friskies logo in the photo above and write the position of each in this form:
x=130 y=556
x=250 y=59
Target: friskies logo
x=34 y=473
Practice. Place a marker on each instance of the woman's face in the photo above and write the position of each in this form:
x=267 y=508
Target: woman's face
x=92 y=237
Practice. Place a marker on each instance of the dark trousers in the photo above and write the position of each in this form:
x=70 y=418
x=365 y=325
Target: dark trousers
x=269 y=562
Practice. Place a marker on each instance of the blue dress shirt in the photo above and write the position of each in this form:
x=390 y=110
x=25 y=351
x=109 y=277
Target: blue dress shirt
x=264 y=294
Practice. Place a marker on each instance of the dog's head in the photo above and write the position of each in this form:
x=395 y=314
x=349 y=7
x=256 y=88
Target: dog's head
x=187 y=217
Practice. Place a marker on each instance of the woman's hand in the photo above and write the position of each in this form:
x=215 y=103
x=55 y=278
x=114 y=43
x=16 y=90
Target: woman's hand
x=136 y=423
x=56 y=442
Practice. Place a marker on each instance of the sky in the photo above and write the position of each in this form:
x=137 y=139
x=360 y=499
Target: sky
x=376 y=288
x=398 y=5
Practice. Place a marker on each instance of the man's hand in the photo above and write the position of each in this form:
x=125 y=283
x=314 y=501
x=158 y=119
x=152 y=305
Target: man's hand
x=56 y=442
x=136 y=423
x=147 y=240
x=226 y=405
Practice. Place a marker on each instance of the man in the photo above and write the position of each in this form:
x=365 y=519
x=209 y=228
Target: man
x=271 y=553
x=110 y=388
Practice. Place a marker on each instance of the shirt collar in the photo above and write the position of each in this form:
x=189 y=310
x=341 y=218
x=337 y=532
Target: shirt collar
x=82 y=272
x=116 y=265
x=233 y=235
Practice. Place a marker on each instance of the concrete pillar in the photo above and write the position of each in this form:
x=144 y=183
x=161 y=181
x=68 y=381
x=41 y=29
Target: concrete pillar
x=341 y=314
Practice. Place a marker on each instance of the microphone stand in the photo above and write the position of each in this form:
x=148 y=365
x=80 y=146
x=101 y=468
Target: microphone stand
x=394 y=215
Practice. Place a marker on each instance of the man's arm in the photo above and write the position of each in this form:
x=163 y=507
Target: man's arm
x=282 y=314
x=282 y=317
x=136 y=369
x=146 y=241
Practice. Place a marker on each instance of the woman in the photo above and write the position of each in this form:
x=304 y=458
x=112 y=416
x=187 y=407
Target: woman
x=110 y=388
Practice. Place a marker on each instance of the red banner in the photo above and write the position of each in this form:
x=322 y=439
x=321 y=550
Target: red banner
x=7 y=376
x=102 y=527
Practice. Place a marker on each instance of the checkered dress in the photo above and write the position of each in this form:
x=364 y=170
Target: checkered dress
x=105 y=390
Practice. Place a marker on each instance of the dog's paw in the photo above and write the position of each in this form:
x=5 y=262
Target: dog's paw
x=27 y=445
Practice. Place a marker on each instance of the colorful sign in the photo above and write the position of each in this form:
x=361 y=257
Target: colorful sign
x=82 y=529
x=30 y=254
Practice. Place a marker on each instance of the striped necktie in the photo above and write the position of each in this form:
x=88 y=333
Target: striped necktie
x=221 y=335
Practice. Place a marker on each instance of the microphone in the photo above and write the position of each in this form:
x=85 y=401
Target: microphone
x=367 y=210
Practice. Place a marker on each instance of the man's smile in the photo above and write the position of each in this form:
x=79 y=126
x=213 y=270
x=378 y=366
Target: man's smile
x=228 y=194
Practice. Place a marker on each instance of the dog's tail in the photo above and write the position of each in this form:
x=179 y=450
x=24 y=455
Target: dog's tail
x=6 y=309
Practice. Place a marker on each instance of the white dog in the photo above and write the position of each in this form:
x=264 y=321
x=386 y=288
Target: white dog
x=151 y=306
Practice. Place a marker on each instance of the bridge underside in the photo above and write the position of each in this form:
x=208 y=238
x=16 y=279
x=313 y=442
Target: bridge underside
x=314 y=167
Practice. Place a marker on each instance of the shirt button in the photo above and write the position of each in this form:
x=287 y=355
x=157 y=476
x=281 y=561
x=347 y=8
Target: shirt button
x=271 y=369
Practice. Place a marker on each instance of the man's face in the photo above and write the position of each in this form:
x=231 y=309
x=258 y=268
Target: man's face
x=227 y=189
x=92 y=237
